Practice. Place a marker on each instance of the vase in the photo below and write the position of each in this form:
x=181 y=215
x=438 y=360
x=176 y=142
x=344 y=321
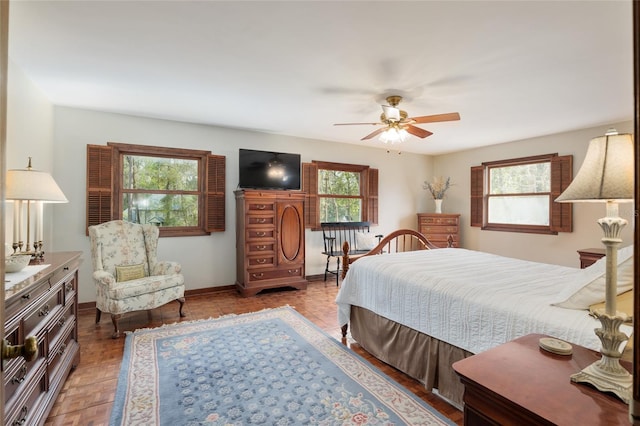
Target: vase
x=438 y=206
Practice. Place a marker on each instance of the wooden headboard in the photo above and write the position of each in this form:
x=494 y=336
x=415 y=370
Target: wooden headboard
x=397 y=241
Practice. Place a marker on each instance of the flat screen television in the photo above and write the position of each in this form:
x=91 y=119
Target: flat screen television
x=269 y=170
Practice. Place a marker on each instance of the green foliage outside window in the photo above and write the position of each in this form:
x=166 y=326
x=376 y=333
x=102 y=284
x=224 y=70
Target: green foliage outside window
x=159 y=190
x=346 y=203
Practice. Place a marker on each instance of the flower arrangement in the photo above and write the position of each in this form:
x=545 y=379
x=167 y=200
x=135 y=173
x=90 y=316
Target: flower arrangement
x=438 y=187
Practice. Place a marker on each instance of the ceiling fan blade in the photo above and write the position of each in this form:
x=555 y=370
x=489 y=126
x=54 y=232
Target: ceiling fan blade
x=452 y=116
x=357 y=124
x=417 y=131
x=374 y=134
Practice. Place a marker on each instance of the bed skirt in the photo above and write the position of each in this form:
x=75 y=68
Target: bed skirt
x=418 y=355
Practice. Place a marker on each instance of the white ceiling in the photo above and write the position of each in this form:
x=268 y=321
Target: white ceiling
x=512 y=69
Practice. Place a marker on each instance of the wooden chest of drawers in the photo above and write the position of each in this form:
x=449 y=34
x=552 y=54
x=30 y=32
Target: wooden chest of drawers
x=45 y=306
x=438 y=226
x=269 y=240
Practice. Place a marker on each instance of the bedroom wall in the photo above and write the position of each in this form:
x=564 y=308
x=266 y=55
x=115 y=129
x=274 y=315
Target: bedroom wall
x=29 y=134
x=209 y=261
x=557 y=249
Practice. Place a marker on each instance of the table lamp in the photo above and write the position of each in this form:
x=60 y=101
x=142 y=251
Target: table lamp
x=24 y=187
x=606 y=176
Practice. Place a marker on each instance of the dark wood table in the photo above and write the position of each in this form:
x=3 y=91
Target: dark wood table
x=520 y=384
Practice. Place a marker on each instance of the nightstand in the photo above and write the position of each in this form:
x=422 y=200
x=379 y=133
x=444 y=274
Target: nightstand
x=589 y=256
x=518 y=383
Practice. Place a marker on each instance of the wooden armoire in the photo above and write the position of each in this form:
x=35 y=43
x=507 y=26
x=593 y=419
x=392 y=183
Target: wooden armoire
x=269 y=240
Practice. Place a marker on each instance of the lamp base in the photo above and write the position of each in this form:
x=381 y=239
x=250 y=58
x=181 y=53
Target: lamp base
x=593 y=375
x=606 y=374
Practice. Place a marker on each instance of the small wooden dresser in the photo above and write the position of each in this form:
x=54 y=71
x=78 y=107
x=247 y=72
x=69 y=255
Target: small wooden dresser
x=45 y=306
x=438 y=226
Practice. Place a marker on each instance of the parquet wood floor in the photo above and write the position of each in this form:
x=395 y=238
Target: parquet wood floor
x=88 y=393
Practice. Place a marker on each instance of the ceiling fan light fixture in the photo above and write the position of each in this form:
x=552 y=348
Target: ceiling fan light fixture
x=394 y=135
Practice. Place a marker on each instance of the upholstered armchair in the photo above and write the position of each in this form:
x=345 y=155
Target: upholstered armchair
x=126 y=272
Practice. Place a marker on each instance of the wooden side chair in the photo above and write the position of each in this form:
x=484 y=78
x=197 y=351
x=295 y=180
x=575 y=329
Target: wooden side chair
x=334 y=234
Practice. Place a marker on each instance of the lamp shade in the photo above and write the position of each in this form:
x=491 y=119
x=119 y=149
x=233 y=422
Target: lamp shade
x=606 y=173
x=33 y=185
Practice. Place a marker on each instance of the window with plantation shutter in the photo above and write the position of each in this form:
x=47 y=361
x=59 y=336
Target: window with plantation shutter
x=517 y=195
x=180 y=190
x=338 y=192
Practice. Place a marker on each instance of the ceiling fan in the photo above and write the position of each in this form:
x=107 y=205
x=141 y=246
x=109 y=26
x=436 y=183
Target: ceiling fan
x=397 y=120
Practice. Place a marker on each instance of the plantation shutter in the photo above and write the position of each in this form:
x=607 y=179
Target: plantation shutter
x=99 y=185
x=477 y=195
x=561 y=177
x=215 y=194
x=310 y=188
x=372 y=196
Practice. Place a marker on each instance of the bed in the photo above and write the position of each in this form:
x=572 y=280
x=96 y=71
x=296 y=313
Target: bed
x=420 y=308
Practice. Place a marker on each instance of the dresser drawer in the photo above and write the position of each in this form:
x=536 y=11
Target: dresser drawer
x=57 y=326
x=261 y=220
x=277 y=274
x=16 y=304
x=442 y=243
x=260 y=206
x=18 y=373
x=260 y=247
x=446 y=230
x=61 y=348
x=260 y=234
x=439 y=221
x=49 y=306
x=70 y=289
x=23 y=408
x=261 y=262
x=17 y=370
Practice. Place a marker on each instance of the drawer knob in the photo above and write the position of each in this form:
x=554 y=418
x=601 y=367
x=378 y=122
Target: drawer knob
x=29 y=351
x=261 y=206
x=261 y=220
x=261 y=247
x=261 y=260
x=261 y=234
x=260 y=275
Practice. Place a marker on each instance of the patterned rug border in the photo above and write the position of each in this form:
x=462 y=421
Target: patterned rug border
x=221 y=317
x=403 y=403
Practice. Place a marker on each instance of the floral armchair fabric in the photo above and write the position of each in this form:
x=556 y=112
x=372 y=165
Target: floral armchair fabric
x=119 y=245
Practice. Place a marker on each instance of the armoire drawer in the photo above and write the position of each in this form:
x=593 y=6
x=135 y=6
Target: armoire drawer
x=276 y=274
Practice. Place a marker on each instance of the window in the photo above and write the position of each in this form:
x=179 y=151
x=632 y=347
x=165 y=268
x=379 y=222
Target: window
x=179 y=190
x=337 y=192
x=517 y=195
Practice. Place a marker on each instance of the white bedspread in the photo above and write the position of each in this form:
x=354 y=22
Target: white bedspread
x=466 y=298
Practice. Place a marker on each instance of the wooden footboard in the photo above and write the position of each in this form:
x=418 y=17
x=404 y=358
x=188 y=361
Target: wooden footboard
x=397 y=241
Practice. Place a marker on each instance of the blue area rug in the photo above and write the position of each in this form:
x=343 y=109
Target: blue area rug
x=272 y=367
